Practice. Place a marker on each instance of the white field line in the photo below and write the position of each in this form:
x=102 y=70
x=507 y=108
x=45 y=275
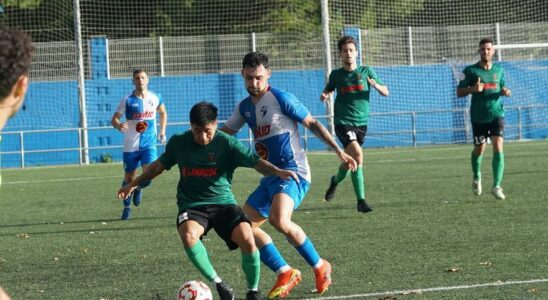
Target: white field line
x=434 y=289
x=61 y=179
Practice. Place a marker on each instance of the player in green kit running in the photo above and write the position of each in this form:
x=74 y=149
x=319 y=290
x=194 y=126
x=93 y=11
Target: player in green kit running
x=485 y=81
x=206 y=159
x=353 y=84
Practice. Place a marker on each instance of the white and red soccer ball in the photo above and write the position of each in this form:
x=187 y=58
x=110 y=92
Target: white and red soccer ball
x=194 y=290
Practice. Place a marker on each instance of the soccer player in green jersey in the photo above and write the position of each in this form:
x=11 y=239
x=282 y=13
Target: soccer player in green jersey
x=353 y=84
x=206 y=159
x=16 y=52
x=485 y=81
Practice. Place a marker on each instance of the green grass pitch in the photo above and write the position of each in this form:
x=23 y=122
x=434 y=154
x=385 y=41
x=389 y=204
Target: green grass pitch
x=61 y=237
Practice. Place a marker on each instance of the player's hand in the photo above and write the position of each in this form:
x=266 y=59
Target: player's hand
x=348 y=161
x=324 y=96
x=505 y=92
x=162 y=138
x=478 y=88
x=286 y=174
x=372 y=82
x=123 y=127
x=126 y=191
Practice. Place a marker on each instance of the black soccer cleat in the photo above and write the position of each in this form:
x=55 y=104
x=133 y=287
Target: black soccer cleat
x=330 y=193
x=253 y=295
x=363 y=207
x=225 y=291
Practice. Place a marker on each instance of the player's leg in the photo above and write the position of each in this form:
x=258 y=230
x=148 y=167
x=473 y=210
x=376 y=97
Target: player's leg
x=131 y=163
x=345 y=136
x=240 y=235
x=147 y=156
x=354 y=149
x=288 y=197
x=480 y=134
x=498 y=158
x=191 y=227
x=257 y=208
x=4 y=295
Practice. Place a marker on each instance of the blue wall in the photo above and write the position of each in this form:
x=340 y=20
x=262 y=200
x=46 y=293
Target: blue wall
x=412 y=88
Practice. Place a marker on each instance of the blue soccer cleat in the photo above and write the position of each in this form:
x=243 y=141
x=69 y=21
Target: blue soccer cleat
x=126 y=213
x=137 y=194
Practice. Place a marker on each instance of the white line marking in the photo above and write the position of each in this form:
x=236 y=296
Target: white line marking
x=61 y=179
x=435 y=289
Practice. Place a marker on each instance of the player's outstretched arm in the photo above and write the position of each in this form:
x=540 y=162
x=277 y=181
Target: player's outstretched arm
x=268 y=169
x=505 y=92
x=321 y=132
x=154 y=169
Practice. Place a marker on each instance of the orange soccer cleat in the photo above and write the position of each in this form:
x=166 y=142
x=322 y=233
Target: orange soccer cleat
x=323 y=277
x=285 y=283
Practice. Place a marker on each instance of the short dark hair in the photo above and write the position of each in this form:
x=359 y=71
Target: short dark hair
x=16 y=52
x=203 y=113
x=346 y=40
x=138 y=71
x=486 y=41
x=255 y=59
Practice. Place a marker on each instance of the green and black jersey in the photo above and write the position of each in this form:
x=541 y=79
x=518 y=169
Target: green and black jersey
x=352 y=100
x=485 y=106
x=206 y=171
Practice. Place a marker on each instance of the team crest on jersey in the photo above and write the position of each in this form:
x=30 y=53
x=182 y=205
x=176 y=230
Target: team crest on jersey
x=247 y=114
x=494 y=76
x=211 y=157
x=261 y=150
x=141 y=127
x=264 y=111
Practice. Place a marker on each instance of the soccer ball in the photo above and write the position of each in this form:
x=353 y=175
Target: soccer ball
x=194 y=290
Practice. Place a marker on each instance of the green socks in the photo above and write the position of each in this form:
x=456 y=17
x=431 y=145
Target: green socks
x=476 y=165
x=341 y=175
x=200 y=259
x=498 y=168
x=251 y=264
x=358 y=183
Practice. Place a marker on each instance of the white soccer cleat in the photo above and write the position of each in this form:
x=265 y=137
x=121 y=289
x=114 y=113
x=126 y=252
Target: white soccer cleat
x=476 y=187
x=497 y=192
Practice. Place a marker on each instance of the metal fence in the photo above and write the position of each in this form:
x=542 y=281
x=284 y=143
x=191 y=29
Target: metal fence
x=516 y=133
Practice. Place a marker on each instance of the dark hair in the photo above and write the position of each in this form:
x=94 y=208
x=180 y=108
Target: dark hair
x=16 y=52
x=255 y=59
x=486 y=41
x=138 y=71
x=203 y=113
x=346 y=40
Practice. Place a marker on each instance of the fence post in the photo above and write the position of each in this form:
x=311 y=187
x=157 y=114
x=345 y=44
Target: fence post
x=161 y=49
x=519 y=124
x=22 y=142
x=410 y=45
x=81 y=83
x=327 y=61
x=497 y=33
x=414 y=126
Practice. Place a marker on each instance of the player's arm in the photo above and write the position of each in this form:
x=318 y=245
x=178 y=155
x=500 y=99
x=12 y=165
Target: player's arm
x=268 y=169
x=382 y=89
x=163 y=123
x=117 y=122
x=325 y=94
x=466 y=88
x=321 y=132
x=154 y=169
x=504 y=91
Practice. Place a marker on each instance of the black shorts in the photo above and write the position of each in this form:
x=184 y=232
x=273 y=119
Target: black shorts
x=481 y=131
x=347 y=134
x=222 y=218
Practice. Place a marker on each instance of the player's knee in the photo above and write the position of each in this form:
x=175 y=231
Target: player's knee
x=189 y=237
x=281 y=224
